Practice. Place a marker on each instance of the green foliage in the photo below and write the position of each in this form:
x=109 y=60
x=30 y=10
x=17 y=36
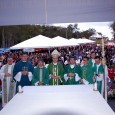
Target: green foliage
x=11 y=35
x=112 y=26
x=88 y=33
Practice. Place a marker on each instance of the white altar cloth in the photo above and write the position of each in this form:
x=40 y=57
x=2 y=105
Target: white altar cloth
x=58 y=100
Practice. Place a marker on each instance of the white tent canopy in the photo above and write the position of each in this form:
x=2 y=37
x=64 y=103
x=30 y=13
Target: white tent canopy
x=96 y=36
x=73 y=41
x=20 y=12
x=60 y=41
x=81 y=41
x=84 y=41
x=39 y=41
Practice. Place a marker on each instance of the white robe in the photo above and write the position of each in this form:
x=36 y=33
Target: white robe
x=8 y=80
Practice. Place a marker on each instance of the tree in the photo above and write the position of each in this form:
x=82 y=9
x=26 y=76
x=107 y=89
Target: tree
x=112 y=26
x=100 y=33
x=3 y=38
x=72 y=31
x=88 y=33
x=11 y=35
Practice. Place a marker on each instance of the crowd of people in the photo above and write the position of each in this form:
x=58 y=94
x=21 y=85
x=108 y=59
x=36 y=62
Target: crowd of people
x=79 y=52
x=55 y=66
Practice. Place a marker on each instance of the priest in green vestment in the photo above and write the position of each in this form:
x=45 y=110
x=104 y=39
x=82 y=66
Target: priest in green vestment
x=92 y=59
x=99 y=74
x=56 y=70
x=87 y=72
x=23 y=72
x=72 y=73
x=41 y=74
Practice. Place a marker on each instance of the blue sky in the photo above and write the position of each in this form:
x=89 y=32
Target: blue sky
x=102 y=27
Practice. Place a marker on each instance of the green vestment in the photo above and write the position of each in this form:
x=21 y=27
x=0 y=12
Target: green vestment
x=56 y=70
x=90 y=62
x=100 y=70
x=40 y=75
x=76 y=69
x=87 y=73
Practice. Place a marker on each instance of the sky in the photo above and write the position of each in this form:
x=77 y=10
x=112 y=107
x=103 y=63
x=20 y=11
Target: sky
x=102 y=27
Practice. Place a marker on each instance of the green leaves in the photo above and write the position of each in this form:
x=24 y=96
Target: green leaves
x=11 y=35
x=112 y=26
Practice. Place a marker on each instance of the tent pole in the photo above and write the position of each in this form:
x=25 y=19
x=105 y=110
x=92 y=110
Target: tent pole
x=103 y=62
x=46 y=15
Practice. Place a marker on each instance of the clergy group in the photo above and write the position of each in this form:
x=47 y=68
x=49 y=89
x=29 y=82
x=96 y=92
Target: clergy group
x=23 y=73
